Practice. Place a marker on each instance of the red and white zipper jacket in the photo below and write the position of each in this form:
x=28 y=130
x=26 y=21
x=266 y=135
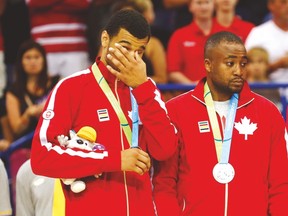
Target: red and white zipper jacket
x=78 y=101
x=184 y=184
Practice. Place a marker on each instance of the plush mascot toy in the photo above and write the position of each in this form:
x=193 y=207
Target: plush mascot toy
x=84 y=139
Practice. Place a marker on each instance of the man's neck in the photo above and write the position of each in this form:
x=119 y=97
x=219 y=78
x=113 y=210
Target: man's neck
x=281 y=24
x=225 y=18
x=204 y=25
x=218 y=96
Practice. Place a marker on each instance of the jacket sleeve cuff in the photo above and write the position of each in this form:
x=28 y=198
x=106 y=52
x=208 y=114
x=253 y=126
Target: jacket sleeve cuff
x=144 y=92
x=113 y=162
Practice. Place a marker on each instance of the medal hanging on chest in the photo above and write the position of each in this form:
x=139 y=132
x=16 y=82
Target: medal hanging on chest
x=223 y=172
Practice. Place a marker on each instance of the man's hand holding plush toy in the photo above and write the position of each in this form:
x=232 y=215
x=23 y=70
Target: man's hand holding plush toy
x=84 y=139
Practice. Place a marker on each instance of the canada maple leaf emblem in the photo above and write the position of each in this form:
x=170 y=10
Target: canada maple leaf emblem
x=245 y=127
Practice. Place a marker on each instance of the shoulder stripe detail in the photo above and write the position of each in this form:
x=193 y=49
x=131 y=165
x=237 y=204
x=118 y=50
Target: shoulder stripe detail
x=162 y=104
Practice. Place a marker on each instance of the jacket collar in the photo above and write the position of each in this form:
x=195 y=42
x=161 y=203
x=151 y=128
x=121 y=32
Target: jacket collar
x=245 y=97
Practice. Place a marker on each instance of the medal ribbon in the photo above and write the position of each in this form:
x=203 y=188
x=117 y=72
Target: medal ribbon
x=116 y=106
x=222 y=147
x=135 y=121
x=233 y=103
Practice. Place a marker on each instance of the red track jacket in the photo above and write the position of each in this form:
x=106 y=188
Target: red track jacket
x=78 y=101
x=184 y=184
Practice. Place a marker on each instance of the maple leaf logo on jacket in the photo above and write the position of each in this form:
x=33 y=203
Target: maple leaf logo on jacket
x=245 y=127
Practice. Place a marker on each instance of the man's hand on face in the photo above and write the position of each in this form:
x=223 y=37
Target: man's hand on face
x=131 y=67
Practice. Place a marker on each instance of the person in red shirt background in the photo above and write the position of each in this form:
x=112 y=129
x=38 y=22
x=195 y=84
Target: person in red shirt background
x=226 y=17
x=185 y=54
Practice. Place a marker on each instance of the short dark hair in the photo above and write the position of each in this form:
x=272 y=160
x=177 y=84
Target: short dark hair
x=130 y=20
x=219 y=37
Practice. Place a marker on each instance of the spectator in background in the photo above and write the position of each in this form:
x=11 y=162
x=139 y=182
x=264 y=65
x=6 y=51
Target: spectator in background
x=273 y=37
x=5 y=204
x=257 y=71
x=26 y=97
x=185 y=54
x=60 y=26
x=34 y=194
x=258 y=64
x=155 y=54
x=226 y=17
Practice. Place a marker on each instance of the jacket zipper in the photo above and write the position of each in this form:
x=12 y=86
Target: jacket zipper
x=122 y=146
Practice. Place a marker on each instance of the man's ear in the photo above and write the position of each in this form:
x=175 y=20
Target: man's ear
x=105 y=39
x=208 y=65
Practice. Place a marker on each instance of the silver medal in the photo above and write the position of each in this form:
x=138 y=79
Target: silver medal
x=223 y=172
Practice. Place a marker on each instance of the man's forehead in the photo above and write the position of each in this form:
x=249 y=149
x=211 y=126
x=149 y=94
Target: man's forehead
x=125 y=34
x=229 y=48
x=126 y=38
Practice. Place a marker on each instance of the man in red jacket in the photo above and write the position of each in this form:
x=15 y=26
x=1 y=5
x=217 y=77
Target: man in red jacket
x=232 y=154
x=105 y=98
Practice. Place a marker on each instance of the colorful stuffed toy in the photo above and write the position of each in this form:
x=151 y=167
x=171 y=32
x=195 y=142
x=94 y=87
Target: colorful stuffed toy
x=84 y=139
